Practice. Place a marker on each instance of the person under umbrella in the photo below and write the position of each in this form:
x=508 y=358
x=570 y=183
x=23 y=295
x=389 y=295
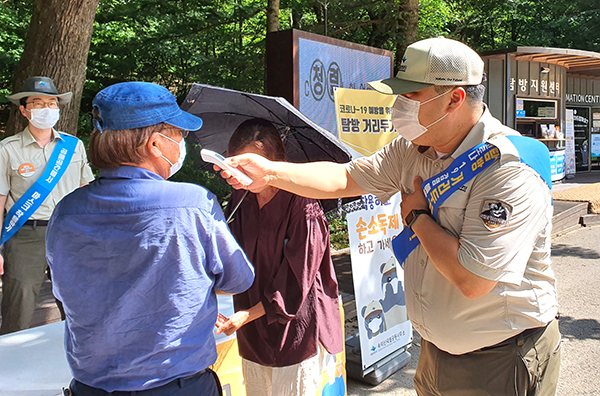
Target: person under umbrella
x=289 y=320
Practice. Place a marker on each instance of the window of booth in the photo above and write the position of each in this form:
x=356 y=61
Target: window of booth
x=536 y=108
x=538 y=118
x=527 y=128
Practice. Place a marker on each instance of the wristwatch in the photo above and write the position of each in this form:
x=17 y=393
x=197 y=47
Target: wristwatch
x=413 y=215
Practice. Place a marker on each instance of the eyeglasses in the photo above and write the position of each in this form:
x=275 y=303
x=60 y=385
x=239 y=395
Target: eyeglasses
x=40 y=104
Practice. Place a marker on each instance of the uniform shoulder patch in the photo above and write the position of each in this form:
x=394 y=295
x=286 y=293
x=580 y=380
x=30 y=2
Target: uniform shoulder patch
x=495 y=214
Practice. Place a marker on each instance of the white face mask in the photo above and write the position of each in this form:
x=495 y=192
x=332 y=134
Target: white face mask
x=405 y=117
x=182 y=152
x=44 y=118
x=375 y=323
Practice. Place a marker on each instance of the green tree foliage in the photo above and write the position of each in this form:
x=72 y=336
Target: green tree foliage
x=218 y=42
x=495 y=24
x=387 y=24
x=221 y=42
x=14 y=23
x=177 y=42
x=434 y=17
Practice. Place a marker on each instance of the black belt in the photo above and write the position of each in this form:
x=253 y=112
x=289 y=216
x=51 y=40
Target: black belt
x=519 y=339
x=179 y=382
x=198 y=374
x=36 y=223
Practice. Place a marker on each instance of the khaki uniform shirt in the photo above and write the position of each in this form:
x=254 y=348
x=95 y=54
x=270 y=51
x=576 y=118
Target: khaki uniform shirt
x=515 y=252
x=22 y=162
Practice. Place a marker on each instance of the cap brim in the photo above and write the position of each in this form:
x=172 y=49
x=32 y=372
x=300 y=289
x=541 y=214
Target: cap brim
x=185 y=121
x=397 y=86
x=62 y=98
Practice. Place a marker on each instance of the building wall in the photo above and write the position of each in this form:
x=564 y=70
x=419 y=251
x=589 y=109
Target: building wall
x=582 y=90
x=525 y=80
x=496 y=87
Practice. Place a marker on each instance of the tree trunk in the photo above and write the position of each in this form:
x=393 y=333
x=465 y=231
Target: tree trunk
x=296 y=18
x=411 y=23
x=57 y=46
x=272 y=16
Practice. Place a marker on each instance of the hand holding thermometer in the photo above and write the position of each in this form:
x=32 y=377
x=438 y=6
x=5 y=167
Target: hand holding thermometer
x=219 y=160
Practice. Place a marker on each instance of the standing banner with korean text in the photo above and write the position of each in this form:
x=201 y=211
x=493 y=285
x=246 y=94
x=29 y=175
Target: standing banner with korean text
x=595 y=151
x=363 y=119
x=570 y=143
x=229 y=363
x=323 y=67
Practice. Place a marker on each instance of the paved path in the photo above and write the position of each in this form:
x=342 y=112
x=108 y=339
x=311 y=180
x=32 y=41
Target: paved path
x=576 y=263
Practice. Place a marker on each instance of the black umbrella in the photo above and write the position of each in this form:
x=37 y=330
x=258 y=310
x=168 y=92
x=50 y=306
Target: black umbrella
x=223 y=110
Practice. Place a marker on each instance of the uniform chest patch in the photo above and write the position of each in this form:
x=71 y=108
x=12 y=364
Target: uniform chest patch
x=26 y=170
x=495 y=214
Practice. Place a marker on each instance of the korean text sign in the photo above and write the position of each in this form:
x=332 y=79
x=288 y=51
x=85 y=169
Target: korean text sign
x=363 y=119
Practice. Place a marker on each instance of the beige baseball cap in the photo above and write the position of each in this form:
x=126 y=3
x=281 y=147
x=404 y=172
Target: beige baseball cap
x=433 y=61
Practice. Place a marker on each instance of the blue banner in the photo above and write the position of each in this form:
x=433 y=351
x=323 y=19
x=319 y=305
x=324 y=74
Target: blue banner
x=464 y=168
x=33 y=198
x=322 y=67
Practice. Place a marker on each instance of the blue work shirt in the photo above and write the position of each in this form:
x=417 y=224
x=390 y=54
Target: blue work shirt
x=136 y=260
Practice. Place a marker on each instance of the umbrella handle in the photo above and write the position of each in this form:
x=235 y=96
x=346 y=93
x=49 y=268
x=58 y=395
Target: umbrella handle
x=230 y=218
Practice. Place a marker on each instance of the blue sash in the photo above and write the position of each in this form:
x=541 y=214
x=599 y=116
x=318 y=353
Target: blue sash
x=33 y=198
x=464 y=168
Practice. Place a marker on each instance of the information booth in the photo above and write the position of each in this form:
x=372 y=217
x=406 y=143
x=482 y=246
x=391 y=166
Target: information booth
x=553 y=95
x=583 y=99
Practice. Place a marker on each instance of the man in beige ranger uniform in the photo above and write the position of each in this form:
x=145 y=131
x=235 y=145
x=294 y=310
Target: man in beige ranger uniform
x=23 y=158
x=479 y=287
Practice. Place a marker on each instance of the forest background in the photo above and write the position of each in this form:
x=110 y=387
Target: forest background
x=222 y=42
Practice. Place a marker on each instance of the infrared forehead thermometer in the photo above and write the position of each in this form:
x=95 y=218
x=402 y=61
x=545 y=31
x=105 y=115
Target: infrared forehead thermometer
x=219 y=160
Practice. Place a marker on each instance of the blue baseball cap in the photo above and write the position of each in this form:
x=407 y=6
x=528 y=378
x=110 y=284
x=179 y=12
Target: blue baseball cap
x=138 y=104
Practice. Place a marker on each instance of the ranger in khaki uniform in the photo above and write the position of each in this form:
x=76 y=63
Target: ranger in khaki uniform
x=23 y=159
x=479 y=287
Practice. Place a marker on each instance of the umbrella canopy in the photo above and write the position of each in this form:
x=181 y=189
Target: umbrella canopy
x=223 y=110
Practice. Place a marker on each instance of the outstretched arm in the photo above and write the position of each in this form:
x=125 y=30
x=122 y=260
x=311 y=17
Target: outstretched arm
x=318 y=180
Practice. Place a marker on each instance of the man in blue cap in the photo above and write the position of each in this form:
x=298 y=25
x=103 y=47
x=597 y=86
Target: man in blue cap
x=136 y=259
